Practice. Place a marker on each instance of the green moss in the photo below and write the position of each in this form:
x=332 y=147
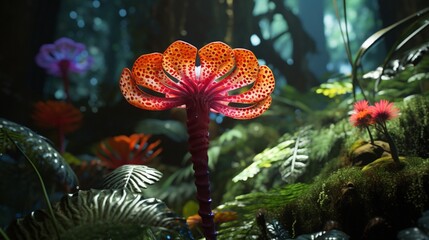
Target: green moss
x=411 y=130
x=351 y=197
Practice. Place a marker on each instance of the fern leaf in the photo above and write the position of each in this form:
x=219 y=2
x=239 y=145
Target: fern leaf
x=132 y=177
x=291 y=151
x=265 y=159
x=248 y=205
x=295 y=165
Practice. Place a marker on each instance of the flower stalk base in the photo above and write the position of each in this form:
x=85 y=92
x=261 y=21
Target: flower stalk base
x=198 y=130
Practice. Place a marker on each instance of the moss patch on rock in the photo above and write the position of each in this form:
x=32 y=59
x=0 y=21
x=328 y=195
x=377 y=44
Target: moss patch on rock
x=353 y=199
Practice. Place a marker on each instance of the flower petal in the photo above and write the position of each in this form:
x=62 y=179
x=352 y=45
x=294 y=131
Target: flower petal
x=262 y=88
x=246 y=70
x=141 y=99
x=245 y=112
x=217 y=60
x=147 y=71
x=179 y=61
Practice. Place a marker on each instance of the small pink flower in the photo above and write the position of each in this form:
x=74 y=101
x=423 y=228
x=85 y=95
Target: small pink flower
x=361 y=118
x=64 y=56
x=361 y=105
x=383 y=111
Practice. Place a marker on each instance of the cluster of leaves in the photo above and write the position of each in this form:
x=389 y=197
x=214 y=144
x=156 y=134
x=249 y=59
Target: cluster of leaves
x=402 y=77
x=249 y=205
x=327 y=142
x=37 y=148
x=290 y=155
x=119 y=210
x=228 y=153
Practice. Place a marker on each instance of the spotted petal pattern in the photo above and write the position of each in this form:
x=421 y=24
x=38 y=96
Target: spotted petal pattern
x=245 y=112
x=162 y=81
x=137 y=97
x=217 y=60
x=179 y=61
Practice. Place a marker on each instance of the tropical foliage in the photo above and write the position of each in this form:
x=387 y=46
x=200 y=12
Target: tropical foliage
x=285 y=175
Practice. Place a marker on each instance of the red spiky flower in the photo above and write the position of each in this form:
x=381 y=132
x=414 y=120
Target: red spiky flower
x=120 y=150
x=383 y=111
x=361 y=105
x=361 y=117
x=57 y=115
x=160 y=81
x=377 y=115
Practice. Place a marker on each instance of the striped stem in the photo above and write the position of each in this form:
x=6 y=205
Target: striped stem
x=198 y=130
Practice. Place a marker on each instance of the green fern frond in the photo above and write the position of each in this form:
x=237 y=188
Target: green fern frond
x=327 y=139
x=132 y=177
x=266 y=159
x=290 y=154
x=295 y=165
x=247 y=206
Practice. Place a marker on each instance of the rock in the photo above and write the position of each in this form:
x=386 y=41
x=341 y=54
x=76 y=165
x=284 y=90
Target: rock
x=368 y=153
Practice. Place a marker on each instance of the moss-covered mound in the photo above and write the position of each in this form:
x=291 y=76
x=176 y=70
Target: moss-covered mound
x=381 y=200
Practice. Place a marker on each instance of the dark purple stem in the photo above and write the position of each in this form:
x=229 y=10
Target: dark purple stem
x=198 y=129
x=64 y=68
x=392 y=145
x=370 y=135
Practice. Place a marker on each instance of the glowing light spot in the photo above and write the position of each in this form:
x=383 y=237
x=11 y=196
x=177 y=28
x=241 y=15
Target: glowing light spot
x=96 y=4
x=93 y=81
x=59 y=94
x=122 y=12
x=73 y=14
x=255 y=40
x=80 y=23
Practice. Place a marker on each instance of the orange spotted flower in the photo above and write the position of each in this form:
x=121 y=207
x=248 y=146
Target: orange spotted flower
x=214 y=78
x=58 y=115
x=120 y=150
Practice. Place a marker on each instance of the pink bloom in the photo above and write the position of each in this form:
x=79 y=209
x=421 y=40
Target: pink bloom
x=64 y=56
x=361 y=118
x=383 y=111
x=361 y=105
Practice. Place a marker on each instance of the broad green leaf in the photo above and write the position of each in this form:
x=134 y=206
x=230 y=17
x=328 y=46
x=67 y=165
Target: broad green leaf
x=48 y=161
x=103 y=214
